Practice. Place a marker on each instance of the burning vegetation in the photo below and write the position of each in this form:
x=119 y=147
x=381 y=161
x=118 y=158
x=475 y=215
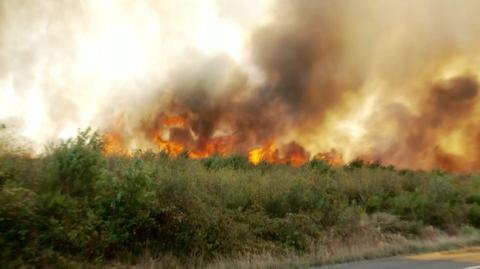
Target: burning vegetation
x=331 y=80
x=316 y=99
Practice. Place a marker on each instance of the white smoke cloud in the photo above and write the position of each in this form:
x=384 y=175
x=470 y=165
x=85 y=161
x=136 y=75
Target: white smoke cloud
x=65 y=63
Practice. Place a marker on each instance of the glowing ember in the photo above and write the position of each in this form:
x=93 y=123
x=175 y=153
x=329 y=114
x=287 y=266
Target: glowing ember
x=113 y=144
x=332 y=157
x=267 y=153
x=169 y=147
x=113 y=140
x=255 y=156
x=177 y=121
x=295 y=155
x=415 y=106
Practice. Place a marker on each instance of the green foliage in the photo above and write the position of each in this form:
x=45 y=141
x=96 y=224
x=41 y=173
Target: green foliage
x=355 y=164
x=474 y=215
x=76 y=163
x=232 y=161
x=19 y=222
x=319 y=165
x=75 y=205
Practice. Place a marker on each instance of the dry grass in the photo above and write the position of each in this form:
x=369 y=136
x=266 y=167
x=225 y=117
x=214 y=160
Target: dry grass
x=365 y=245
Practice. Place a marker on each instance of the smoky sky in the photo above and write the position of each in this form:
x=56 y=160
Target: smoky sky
x=394 y=80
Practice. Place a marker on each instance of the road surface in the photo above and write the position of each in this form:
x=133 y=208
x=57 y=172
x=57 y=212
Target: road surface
x=468 y=258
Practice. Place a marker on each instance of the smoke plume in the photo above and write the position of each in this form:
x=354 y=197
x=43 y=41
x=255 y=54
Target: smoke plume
x=281 y=81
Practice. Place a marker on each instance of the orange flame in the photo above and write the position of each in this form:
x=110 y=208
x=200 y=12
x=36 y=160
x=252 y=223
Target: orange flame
x=113 y=140
x=292 y=153
x=177 y=121
x=113 y=144
x=170 y=147
x=295 y=155
x=333 y=157
x=219 y=145
x=267 y=153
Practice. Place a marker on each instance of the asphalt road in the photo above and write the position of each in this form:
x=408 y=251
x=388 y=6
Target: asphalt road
x=468 y=258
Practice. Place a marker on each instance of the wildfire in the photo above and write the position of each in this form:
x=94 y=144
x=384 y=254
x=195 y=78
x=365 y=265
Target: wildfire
x=172 y=136
x=214 y=105
x=333 y=157
x=113 y=140
x=295 y=155
x=292 y=154
x=220 y=146
x=178 y=121
x=113 y=144
x=170 y=147
x=267 y=153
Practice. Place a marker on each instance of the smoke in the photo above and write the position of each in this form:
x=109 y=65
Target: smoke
x=67 y=65
x=444 y=124
x=389 y=80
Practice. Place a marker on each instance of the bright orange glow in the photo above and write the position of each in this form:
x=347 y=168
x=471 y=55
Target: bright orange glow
x=295 y=155
x=255 y=156
x=171 y=137
x=113 y=140
x=178 y=121
x=220 y=146
x=172 y=148
x=267 y=153
x=332 y=157
x=113 y=144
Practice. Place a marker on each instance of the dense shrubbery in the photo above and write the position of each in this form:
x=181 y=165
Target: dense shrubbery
x=75 y=204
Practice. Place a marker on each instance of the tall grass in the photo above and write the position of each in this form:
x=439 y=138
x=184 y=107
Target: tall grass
x=74 y=206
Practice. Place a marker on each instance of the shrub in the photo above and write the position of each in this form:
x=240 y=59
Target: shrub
x=75 y=164
x=319 y=165
x=355 y=164
x=74 y=205
x=474 y=215
x=20 y=224
x=232 y=161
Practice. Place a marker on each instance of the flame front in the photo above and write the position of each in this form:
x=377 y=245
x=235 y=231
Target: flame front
x=173 y=136
x=113 y=144
x=205 y=79
x=332 y=157
x=267 y=153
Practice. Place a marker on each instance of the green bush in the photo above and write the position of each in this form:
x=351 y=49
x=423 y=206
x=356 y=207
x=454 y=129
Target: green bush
x=74 y=205
x=319 y=165
x=20 y=223
x=75 y=164
x=232 y=161
x=474 y=215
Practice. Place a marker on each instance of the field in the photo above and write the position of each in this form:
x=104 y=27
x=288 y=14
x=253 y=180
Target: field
x=75 y=207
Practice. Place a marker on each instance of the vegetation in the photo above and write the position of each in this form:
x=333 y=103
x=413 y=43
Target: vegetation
x=75 y=207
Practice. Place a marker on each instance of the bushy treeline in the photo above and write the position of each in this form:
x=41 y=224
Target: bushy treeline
x=75 y=205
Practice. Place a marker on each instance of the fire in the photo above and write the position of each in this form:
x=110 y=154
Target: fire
x=206 y=80
x=170 y=147
x=255 y=156
x=333 y=157
x=295 y=155
x=217 y=146
x=113 y=144
x=292 y=154
x=173 y=135
x=178 y=121
x=113 y=140
x=267 y=153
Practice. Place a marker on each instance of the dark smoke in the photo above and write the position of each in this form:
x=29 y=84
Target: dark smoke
x=447 y=105
x=321 y=61
x=300 y=55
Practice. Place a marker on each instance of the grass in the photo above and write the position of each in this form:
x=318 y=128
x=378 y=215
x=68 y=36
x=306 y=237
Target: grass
x=334 y=252
x=74 y=207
